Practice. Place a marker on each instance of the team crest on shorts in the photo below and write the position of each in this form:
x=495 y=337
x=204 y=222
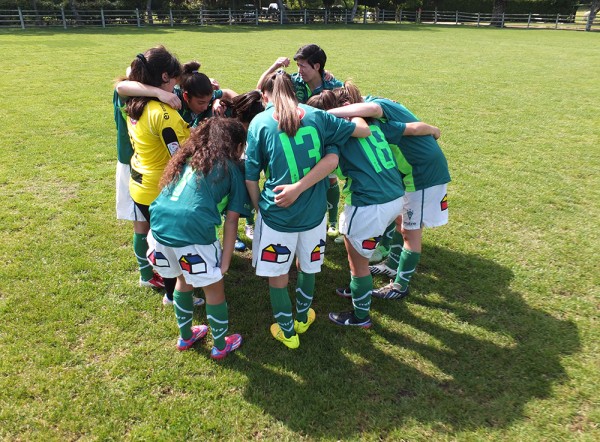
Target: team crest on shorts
x=318 y=251
x=275 y=253
x=158 y=259
x=371 y=243
x=444 y=203
x=193 y=264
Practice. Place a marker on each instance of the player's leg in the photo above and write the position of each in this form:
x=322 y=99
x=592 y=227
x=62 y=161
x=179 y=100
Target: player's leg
x=183 y=306
x=217 y=314
x=333 y=201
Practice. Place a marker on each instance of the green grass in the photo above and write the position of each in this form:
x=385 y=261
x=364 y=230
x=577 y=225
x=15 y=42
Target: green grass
x=498 y=340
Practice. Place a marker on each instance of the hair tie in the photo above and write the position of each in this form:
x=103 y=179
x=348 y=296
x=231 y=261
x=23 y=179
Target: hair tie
x=142 y=58
x=279 y=72
x=195 y=72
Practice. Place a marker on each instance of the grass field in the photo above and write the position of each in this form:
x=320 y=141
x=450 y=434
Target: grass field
x=498 y=340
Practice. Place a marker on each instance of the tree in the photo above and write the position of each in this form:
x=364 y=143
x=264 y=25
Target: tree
x=498 y=10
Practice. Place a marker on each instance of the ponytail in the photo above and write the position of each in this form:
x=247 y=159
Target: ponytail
x=283 y=96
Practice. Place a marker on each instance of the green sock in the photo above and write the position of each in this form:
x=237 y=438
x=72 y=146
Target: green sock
x=183 y=305
x=333 y=201
x=406 y=267
x=305 y=289
x=386 y=238
x=361 y=295
x=282 y=310
x=140 y=247
x=395 y=250
x=218 y=319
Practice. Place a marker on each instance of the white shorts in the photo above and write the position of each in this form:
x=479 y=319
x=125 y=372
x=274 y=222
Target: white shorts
x=273 y=251
x=425 y=208
x=199 y=264
x=364 y=226
x=126 y=208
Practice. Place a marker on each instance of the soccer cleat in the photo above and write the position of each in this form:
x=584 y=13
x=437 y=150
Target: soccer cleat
x=232 y=342
x=156 y=282
x=344 y=292
x=239 y=245
x=198 y=332
x=249 y=231
x=198 y=302
x=339 y=239
x=332 y=229
x=382 y=269
x=349 y=318
x=301 y=327
x=379 y=254
x=391 y=291
x=166 y=301
x=291 y=342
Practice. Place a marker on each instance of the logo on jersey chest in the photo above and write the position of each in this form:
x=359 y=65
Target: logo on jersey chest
x=275 y=253
x=193 y=264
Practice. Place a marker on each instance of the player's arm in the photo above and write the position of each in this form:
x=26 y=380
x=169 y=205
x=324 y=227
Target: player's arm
x=420 y=129
x=253 y=192
x=230 y=227
x=365 y=110
x=362 y=129
x=128 y=88
x=218 y=106
x=279 y=63
x=287 y=194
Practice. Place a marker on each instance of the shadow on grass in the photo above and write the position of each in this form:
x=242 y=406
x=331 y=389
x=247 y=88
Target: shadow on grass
x=493 y=354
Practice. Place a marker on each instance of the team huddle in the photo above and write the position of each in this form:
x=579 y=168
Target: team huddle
x=193 y=157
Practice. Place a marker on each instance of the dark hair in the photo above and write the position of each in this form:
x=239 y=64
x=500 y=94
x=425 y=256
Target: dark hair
x=280 y=87
x=312 y=54
x=215 y=141
x=195 y=83
x=325 y=100
x=246 y=106
x=147 y=68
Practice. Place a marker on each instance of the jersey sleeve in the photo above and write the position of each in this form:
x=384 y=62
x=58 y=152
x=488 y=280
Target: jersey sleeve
x=253 y=164
x=239 y=200
x=336 y=131
x=172 y=129
x=393 y=131
x=217 y=95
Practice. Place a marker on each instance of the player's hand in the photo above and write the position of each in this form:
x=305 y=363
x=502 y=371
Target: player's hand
x=286 y=194
x=281 y=62
x=328 y=75
x=218 y=108
x=215 y=84
x=170 y=99
x=224 y=268
x=436 y=132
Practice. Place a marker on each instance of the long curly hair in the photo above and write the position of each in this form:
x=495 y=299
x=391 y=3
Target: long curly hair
x=214 y=142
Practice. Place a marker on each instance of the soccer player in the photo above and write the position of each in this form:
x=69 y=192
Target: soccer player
x=374 y=199
x=311 y=79
x=203 y=176
x=296 y=146
x=155 y=132
x=426 y=179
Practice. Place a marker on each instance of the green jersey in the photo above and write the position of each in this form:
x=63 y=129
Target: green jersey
x=303 y=91
x=124 y=149
x=285 y=160
x=189 y=116
x=188 y=211
x=370 y=168
x=420 y=159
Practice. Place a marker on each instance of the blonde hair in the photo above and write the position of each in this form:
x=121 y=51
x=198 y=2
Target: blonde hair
x=283 y=95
